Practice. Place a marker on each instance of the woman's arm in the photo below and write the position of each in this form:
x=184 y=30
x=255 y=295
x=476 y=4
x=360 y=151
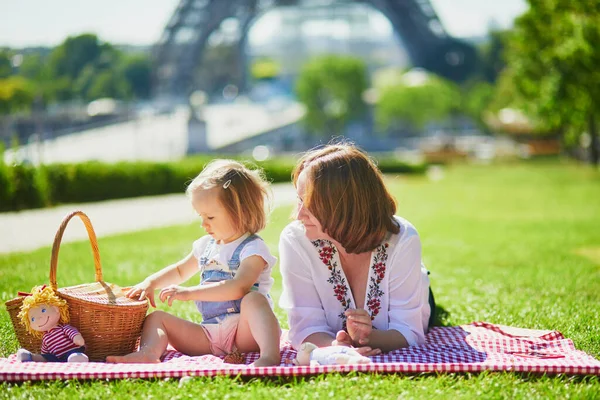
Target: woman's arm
x=300 y=297
x=321 y=339
x=361 y=333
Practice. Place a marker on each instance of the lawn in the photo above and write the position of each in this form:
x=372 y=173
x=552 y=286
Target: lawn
x=515 y=244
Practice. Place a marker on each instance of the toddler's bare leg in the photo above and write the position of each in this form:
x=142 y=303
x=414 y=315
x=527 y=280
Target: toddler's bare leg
x=258 y=329
x=161 y=329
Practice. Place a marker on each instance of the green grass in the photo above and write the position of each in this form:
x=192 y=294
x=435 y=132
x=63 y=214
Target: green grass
x=515 y=244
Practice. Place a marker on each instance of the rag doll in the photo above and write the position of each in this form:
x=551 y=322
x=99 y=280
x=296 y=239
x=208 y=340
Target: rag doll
x=310 y=354
x=45 y=315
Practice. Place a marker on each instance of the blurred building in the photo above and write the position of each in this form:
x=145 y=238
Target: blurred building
x=299 y=33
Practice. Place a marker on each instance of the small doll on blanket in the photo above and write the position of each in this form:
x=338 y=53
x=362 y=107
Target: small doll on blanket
x=45 y=315
x=310 y=354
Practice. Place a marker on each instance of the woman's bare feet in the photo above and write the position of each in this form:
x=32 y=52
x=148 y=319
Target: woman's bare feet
x=133 y=358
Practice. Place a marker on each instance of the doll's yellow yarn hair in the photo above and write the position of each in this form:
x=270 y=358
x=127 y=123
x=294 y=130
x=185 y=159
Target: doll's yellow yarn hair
x=42 y=295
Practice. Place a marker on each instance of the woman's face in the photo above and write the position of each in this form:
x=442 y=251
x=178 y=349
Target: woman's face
x=312 y=227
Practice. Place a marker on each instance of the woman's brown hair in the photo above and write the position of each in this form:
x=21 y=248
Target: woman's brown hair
x=346 y=193
x=242 y=191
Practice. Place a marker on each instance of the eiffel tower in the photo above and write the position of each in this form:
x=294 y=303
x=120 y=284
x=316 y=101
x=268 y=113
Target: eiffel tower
x=184 y=38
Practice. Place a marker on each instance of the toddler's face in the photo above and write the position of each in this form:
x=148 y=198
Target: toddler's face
x=215 y=218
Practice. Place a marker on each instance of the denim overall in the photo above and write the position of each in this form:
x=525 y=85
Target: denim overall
x=213 y=311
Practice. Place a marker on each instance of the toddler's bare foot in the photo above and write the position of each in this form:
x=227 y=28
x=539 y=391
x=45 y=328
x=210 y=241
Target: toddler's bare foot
x=132 y=358
x=267 y=361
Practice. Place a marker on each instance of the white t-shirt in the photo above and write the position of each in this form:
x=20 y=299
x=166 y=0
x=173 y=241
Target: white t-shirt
x=316 y=294
x=222 y=253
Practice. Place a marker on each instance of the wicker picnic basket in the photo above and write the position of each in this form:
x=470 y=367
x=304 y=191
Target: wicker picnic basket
x=109 y=322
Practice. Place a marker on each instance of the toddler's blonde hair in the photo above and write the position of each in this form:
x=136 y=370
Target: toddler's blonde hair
x=243 y=192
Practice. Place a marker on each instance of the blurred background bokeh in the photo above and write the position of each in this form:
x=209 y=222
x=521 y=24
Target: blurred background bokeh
x=158 y=84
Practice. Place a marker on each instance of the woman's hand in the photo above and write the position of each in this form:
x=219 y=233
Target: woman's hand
x=173 y=292
x=141 y=291
x=359 y=326
x=343 y=339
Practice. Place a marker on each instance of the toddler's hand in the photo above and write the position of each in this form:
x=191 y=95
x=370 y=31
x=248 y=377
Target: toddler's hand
x=141 y=291
x=173 y=292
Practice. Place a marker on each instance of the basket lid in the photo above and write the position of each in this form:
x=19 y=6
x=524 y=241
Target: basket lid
x=103 y=293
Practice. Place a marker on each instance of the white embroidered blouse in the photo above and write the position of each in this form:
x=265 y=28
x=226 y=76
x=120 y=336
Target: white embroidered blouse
x=316 y=293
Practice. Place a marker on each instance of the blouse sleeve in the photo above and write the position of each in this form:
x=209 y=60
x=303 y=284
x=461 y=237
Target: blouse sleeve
x=299 y=297
x=406 y=288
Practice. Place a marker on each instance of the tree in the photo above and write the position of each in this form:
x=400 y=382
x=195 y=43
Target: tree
x=491 y=55
x=417 y=103
x=108 y=84
x=477 y=98
x=138 y=73
x=5 y=64
x=74 y=54
x=16 y=93
x=331 y=87
x=48 y=87
x=553 y=57
x=88 y=68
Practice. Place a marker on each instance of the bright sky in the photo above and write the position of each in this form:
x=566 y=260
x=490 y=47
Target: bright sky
x=49 y=22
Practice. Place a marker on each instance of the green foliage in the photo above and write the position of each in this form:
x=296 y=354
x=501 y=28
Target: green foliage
x=5 y=64
x=390 y=165
x=332 y=88
x=553 y=57
x=491 y=56
x=265 y=68
x=84 y=68
x=34 y=67
x=108 y=83
x=137 y=70
x=30 y=187
x=6 y=183
x=16 y=93
x=435 y=99
x=477 y=98
x=95 y=70
x=74 y=54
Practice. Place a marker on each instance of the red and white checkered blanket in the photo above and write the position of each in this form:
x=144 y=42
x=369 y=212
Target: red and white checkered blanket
x=479 y=346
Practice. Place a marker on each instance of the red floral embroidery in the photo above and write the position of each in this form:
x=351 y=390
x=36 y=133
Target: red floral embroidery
x=374 y=292
x=374 y=305
x=327 y=251
x=326 y=254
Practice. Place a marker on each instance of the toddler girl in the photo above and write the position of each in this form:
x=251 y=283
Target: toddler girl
x=235 y=267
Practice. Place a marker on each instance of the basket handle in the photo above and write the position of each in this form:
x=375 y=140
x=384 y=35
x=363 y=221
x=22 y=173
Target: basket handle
x=58 y=238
